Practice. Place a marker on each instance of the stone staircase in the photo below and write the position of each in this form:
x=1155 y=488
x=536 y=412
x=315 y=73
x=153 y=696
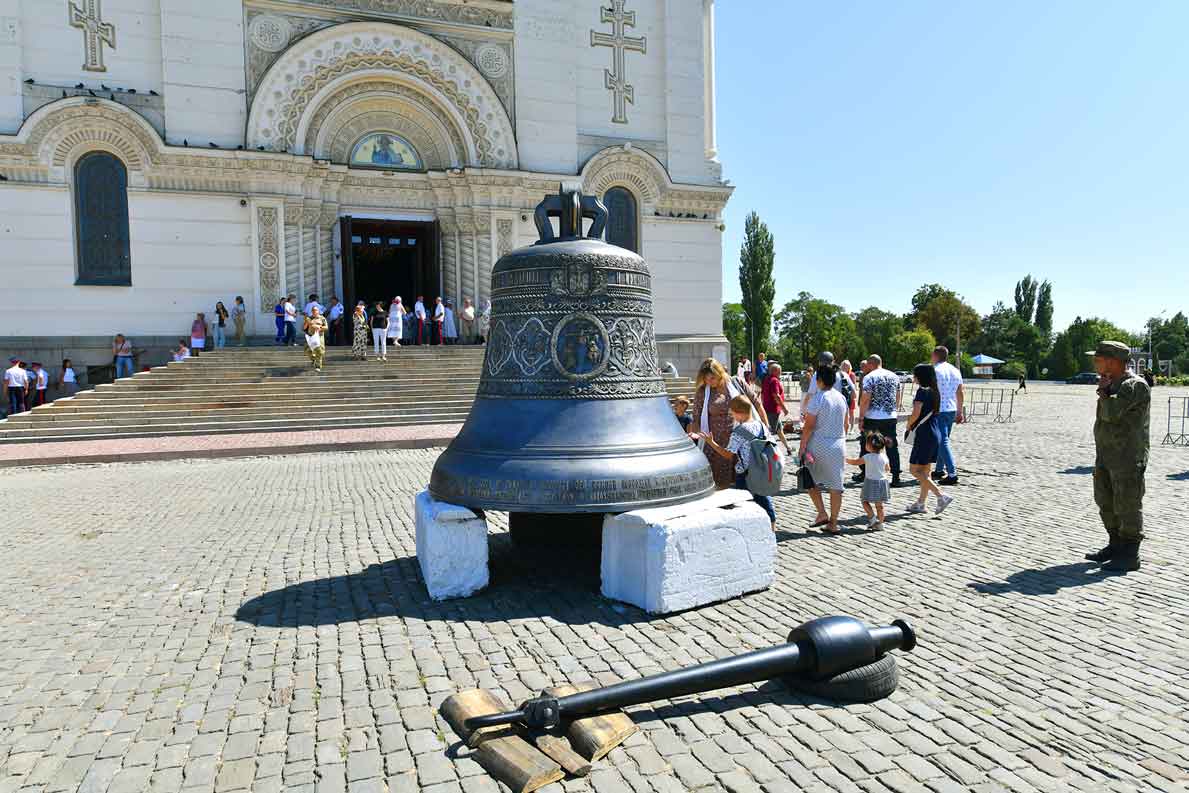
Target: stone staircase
x=269 y=389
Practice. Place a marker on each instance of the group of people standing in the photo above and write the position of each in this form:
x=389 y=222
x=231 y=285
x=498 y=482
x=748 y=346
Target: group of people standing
x=26 y=384
x=391 y=325
x=723 y=404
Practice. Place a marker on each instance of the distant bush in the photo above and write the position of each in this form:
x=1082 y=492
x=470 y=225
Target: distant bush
x=1181 y=379
x=1012 y=370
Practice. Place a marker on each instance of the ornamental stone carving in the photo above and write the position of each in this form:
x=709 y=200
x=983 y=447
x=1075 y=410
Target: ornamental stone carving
x=270 y=32
x=492 y=60
x=300 y=80
x=268 y=247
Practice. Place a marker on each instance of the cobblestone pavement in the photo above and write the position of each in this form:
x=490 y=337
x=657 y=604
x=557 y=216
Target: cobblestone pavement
x=260 y=624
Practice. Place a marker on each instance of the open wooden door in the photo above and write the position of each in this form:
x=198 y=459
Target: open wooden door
x=347 y=262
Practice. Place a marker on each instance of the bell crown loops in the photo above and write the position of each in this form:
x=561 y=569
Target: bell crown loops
x=570 y=207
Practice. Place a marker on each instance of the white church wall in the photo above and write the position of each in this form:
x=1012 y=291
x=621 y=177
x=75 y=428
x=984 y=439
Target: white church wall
x=54 y=53
x=11 y=111
x=205 y=92
x=644 y=72
x=547 y=35
x=188 y=251
x=683 y=109
x=685 y=258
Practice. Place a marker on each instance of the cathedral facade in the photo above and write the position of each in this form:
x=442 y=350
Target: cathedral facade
x=161 y=155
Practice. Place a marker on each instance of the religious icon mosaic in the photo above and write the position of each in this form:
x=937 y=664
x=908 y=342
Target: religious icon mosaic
x=385 y=150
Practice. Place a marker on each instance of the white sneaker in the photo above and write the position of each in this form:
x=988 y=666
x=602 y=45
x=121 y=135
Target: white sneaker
x=942 y=503
x=877 y=525
x=916 y=508
x=872 y=522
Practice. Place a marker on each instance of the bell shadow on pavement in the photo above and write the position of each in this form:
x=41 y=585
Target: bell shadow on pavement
x=1079 y=469
x=1044 y=581
x=525 y=583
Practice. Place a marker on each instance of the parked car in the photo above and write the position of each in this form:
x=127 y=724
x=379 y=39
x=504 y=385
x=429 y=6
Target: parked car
x=905 y=377
x=1083 y=378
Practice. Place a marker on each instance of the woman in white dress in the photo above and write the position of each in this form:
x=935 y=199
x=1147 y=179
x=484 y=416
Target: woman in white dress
x=823 y=447
x=485 y=322
x=396 y=320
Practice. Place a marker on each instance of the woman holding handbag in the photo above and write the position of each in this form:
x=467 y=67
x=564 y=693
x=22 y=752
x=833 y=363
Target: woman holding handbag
x=823 y=446
x=924 y=434
x=315 y=330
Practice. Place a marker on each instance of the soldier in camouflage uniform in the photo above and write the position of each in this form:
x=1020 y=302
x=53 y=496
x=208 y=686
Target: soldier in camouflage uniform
x=1121 y=440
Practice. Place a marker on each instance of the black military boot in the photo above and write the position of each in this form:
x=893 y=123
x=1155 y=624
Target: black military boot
x=1125 y=560
x=1107 y=553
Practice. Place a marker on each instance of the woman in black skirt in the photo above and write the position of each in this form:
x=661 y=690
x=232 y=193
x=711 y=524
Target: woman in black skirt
x=927 y=437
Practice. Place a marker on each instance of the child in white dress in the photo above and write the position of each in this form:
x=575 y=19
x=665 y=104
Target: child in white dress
x=876 y=490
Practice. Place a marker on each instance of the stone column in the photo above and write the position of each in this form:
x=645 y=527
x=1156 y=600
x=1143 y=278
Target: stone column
x=466 y=251
x=484 y=260
x=294 y=262
x=449 y=254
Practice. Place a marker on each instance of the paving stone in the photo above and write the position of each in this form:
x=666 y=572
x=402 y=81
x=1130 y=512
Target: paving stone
x=302 y=644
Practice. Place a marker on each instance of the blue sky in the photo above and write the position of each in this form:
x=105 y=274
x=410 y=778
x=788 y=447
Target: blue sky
x=888 y=145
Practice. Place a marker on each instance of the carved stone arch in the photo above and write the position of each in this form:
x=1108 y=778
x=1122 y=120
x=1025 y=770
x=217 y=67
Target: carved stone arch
x=632 y=168
x=61 y=132
x=383 y=105
x=323 y=63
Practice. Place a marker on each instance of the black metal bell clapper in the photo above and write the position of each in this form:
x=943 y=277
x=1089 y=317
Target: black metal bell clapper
x=819 y=649
x=572 y=415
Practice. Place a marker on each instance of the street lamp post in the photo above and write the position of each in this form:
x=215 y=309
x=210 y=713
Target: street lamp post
x=1152 y=321
x=751 y=336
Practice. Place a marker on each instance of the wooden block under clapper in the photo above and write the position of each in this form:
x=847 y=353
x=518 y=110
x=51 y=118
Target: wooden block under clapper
x=594 y=736
x=558 y=749
x=502 y=753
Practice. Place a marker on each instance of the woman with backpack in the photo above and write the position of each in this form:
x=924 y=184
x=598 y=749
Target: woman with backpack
x=738 y=449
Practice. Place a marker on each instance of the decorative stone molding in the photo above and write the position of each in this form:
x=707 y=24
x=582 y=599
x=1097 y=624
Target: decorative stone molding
x=493 y=61
x=505 y=241
x=336 y=127
x=489 y=14
x=297 y=84
x=628 y=167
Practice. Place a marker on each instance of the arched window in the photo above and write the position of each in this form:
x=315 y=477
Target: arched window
x=101 y=221
x=622 y=224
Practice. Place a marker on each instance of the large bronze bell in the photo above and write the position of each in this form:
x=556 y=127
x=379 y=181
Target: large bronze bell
x=572 y=414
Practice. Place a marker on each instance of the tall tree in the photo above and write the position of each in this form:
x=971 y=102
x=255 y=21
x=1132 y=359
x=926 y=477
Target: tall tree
x=1044 y=311
x=910 y=348
x=734 y=327
x=1025 y=298
x=756 y=258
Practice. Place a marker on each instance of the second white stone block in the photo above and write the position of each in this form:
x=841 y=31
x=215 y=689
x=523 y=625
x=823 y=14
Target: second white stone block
x=674 y=558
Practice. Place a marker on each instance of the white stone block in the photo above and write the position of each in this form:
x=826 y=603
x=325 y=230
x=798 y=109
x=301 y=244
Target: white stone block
x=451 y=548
x=674 y=558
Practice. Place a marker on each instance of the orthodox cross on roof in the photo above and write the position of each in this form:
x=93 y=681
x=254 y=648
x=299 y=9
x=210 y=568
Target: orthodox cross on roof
x=615 y=78
x=96 y=32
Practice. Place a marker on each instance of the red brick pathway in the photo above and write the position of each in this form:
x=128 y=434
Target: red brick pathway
x=237 y=445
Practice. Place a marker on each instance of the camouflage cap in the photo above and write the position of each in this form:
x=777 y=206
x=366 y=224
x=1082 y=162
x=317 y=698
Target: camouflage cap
x=1113 y=349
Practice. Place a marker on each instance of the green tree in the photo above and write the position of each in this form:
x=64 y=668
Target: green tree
x=1061 y=361
x=734 y=327
x=995 y=338
x=1044 y=310
x=910 y=347
x=756 y=258
x=810 y=325
x=925 y=295
x=1025 y=298
x=945 y=314
x=876 y=328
